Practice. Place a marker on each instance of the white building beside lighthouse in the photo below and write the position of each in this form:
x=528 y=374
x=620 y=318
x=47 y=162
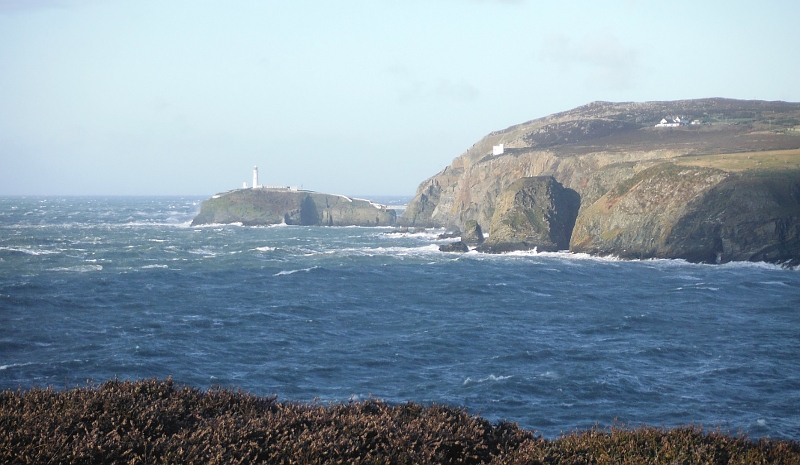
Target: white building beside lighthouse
x=256 y=185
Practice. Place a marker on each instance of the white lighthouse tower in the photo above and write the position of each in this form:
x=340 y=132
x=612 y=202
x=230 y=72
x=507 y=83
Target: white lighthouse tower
x=255 y=177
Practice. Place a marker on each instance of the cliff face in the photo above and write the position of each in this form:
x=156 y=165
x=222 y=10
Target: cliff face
x=598 y=149
x=533 y=213
x=253 y=207
x=751 y=216
x=699 y=214
x=635 y=219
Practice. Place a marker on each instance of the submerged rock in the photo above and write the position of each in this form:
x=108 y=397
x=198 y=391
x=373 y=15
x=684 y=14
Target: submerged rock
x=454 y=247
x=402 y=230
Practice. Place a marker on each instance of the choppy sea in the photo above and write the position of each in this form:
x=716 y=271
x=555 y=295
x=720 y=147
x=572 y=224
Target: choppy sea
x=95 y=288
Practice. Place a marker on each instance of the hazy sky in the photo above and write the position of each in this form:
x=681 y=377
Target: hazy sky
x=354 y=97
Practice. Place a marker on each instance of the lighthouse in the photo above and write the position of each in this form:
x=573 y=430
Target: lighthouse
x=255 y=177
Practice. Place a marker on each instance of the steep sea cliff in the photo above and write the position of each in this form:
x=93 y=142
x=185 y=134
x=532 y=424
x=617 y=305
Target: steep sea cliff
x=724 y=187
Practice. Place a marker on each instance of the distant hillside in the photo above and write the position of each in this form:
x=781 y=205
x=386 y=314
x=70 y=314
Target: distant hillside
x=607 y=153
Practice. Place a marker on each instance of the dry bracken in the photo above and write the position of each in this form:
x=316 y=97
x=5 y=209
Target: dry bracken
x=157 y=421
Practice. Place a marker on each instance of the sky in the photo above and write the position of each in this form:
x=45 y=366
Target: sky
x=361 y=97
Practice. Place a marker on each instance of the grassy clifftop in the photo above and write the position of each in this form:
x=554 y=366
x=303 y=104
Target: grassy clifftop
x=155 y=421
x=765 y=160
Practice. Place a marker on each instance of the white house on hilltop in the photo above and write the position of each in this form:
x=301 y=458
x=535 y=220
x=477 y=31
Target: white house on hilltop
x=665 y=123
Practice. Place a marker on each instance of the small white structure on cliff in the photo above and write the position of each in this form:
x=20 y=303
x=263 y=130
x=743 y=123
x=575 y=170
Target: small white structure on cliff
x=497 y=149
x=255 y=177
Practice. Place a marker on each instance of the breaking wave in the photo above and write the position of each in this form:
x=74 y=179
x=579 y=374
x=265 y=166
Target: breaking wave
x=302 y=270
x=491 y=378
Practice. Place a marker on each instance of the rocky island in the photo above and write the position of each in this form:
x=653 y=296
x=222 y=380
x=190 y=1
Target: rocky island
x=267 y=206
x=709 y=180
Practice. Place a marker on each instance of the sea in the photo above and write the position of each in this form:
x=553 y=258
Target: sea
x=98 y=288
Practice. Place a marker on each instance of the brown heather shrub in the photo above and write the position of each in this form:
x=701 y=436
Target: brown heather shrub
x=151 y=421
x=647 y=445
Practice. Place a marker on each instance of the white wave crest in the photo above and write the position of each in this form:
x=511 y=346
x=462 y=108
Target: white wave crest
x=147 y=267
x=564 y=254
x=205 y=252
x=264 y=249
x=382 y=251
x=760 y=265
x=78 y=268
x=490 y=378
x=89 y=225
x=5 y=367
x=282 y=224
x=428 y=234
x=147 y=224
x=288 y=272
x=217 y=225
x=29 y=251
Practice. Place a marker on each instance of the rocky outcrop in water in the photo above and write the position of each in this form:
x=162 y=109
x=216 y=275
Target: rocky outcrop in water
x=454 y=247
x=644 y=191
x=530 y=213
x=473 y=234
x=255 y=207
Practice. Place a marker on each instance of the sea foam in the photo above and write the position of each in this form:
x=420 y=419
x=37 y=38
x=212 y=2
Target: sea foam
x=288 y=272
x=490 y=378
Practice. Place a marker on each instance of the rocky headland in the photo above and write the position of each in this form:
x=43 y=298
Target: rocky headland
x=723 y=184
x=259 y=207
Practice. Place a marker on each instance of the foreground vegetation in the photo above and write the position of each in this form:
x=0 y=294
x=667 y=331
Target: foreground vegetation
x=154 y=421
